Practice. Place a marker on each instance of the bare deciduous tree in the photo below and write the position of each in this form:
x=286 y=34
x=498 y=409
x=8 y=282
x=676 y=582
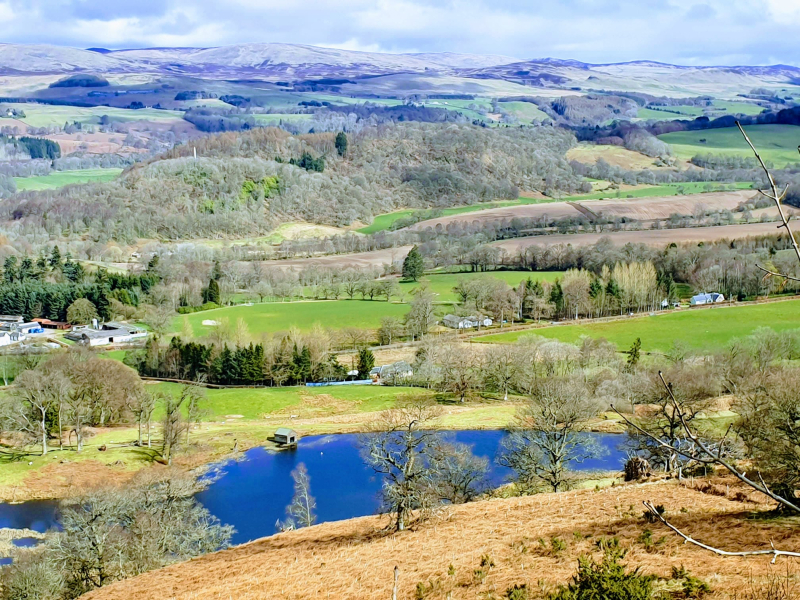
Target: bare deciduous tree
x=301 y=510
x=459 y=475
x=548 y=434
x=399 y=450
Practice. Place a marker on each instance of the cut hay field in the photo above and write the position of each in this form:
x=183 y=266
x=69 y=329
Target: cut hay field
x=776 y=143
x=354 y=559
x=616 y=156
x=707 y=329
x=276 y=316
x=442 y=284
x=46 y=115
x=653 y=237
x=59 y=179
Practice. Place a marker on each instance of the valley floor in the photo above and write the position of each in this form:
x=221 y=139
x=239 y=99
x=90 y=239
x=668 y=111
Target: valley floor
x=356 y=558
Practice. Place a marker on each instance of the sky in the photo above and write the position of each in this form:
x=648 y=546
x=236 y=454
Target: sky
x=707 y=32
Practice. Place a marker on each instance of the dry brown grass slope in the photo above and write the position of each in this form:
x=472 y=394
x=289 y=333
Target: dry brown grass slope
x=355 y=559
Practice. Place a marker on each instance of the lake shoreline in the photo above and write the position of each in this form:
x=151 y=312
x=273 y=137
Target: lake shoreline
x=65 y=476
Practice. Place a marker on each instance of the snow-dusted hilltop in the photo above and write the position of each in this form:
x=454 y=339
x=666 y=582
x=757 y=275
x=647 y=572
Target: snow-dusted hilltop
x=297 y=62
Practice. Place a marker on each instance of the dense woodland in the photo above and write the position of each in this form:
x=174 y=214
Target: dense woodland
x=385 y=167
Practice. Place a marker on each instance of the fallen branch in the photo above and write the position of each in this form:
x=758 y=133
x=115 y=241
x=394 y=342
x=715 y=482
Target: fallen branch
x=687 y=539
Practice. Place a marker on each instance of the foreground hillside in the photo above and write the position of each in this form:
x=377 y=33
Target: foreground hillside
x=356 y=558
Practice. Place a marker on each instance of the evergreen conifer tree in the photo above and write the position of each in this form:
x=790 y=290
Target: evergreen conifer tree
x=413 y=265
x=366 y=360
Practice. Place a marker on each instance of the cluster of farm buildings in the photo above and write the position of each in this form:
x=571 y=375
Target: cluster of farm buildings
x=14 y=328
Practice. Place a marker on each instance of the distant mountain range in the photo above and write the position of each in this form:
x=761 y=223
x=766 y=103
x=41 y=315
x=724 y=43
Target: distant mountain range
x=294 y=62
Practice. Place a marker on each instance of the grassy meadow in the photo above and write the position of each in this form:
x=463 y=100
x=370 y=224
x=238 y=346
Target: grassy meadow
x=278 y=316
x=46 y=115
x=442 y=284
x=717 y=109
x=59 y=179
x=300 y=401
x=705 y=329
x=776 y=143
x=524 y=111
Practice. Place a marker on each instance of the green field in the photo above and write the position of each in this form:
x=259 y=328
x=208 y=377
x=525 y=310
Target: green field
x=385 y=221
x=668 y=189
x=59 y=179
x=776 y=143
x=46 y=115
x=706 y=329
x=719 y=108
x=441 y=284
x=524 y=111
x=277 y=316
x=308 y=402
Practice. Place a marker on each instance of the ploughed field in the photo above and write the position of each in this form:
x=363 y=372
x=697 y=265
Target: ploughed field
x=652 y=237
x=645 y=209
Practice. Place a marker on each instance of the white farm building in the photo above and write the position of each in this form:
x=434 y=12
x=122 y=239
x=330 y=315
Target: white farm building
x=107 y=334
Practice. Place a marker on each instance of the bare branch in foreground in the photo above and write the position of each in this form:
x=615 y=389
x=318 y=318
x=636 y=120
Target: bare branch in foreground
x=776 y=197
x=776 y=274
x=705 y=454
x=773 y=551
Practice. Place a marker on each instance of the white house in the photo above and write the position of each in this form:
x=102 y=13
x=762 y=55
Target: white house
x=712 y=298
x=8 y=337
x=455 y=322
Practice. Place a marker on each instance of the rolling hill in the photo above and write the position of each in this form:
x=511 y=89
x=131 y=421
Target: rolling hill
x=355 y=558
x=294 y=62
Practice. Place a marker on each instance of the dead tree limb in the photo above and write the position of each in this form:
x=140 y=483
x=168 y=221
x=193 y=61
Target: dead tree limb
x=687 y=539
x=705 y=455
x=777 y=198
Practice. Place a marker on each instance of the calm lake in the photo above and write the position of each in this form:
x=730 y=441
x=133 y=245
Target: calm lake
x=252 y=494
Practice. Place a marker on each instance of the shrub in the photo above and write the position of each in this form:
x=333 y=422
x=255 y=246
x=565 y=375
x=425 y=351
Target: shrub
x=518 y=592
x=607 y=579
